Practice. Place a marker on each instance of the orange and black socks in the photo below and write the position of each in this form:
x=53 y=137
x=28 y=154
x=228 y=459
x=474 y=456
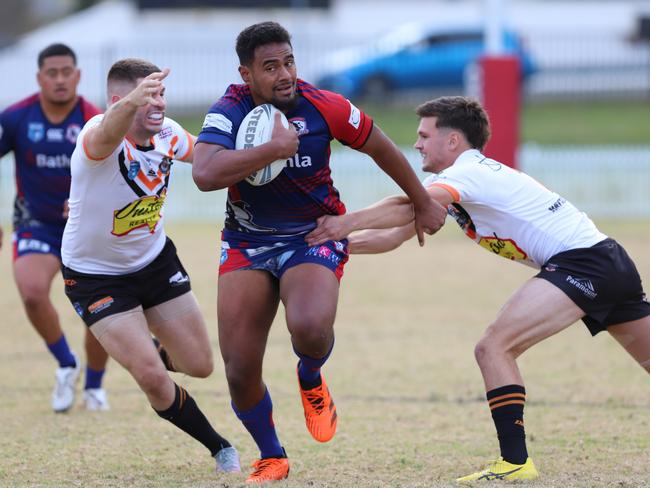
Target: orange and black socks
x=507 y=406
x=185 y=414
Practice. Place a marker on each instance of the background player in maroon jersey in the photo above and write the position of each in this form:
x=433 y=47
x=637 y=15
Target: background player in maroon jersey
x=264 y=256
x=42 y=131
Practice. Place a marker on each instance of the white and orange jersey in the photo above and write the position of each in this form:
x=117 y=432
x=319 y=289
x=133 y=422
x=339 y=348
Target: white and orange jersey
x=115 y=225
x=509 y=213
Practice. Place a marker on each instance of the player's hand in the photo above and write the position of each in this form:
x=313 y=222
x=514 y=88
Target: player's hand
x=329 y=228
x=286 y=140
x=66 y=209
x=149 y=89
x=429 y=218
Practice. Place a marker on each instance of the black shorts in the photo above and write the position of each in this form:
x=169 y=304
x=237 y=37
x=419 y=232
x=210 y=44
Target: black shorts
x=96 y=296
x=602 y=280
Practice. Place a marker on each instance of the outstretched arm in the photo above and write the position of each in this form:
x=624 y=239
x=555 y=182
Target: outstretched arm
x=100 y=141
x=429 y=215
x=395 y=211
x=375 y=241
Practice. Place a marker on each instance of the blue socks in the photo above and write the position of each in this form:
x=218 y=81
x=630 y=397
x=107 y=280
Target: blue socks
x=61 y=351
x=259 y=422
x=93 y=378
x=309 y=369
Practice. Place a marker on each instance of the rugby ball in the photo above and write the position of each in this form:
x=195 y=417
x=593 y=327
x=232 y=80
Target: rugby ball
x=256 y=129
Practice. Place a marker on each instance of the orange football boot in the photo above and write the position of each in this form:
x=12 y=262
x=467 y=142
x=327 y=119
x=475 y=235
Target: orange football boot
x=269 y=469
x=320 y=411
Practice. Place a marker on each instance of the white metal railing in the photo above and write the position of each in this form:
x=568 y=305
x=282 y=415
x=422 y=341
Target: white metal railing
x=604 y=181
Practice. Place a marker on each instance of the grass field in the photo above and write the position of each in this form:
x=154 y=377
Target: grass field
x=409 y=395
x=590 y=122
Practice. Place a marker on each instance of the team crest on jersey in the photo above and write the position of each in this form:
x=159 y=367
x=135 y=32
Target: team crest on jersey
x=134 y=168
x=72 y=132
x=35 y=131
x=300 y=124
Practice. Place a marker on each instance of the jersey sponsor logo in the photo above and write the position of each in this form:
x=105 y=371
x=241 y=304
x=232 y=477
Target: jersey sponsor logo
x=72 y=132
x=491 y=163
x=54 y=134
x=33 y=245
x=78 y=308
x=323 y=252
x=165 y=133
x=584 y=285
x=143 y=212
x=298 y=161
x=355 y=116
x=218 y=121
x=178 y=279
x=100 y=304
x=506 y=248
x=35 y=131
x=49 y=161
x=300 y=123
x=556 y=205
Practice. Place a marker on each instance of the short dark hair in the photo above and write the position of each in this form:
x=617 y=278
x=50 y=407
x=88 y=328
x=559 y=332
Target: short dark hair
x=259 y=35
x=131 y=69
x=461 y=113
x=57 y=49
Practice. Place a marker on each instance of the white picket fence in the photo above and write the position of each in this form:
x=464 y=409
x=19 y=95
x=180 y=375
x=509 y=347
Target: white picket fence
x=607 y=182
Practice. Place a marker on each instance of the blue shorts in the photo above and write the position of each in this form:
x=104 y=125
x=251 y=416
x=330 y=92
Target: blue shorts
x=276 y=254
x=42 y=239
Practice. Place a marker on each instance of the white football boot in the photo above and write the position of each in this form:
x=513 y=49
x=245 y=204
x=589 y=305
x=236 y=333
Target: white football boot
x=95 y=400
x=228 y=460
x=64 y=389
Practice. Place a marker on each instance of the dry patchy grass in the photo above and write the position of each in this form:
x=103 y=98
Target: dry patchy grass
x=409 y=395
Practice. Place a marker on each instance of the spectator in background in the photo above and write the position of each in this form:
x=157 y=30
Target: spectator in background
x=42 y=132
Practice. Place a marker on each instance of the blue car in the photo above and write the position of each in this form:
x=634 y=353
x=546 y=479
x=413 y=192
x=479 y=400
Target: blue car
x=412 y=57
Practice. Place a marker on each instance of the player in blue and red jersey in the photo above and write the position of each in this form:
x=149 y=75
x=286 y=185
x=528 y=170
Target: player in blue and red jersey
x=264 y=256
x=41 y=130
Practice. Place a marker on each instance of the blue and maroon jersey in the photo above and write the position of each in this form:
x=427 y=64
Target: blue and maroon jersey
x=304 y=191
x=42 y=153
